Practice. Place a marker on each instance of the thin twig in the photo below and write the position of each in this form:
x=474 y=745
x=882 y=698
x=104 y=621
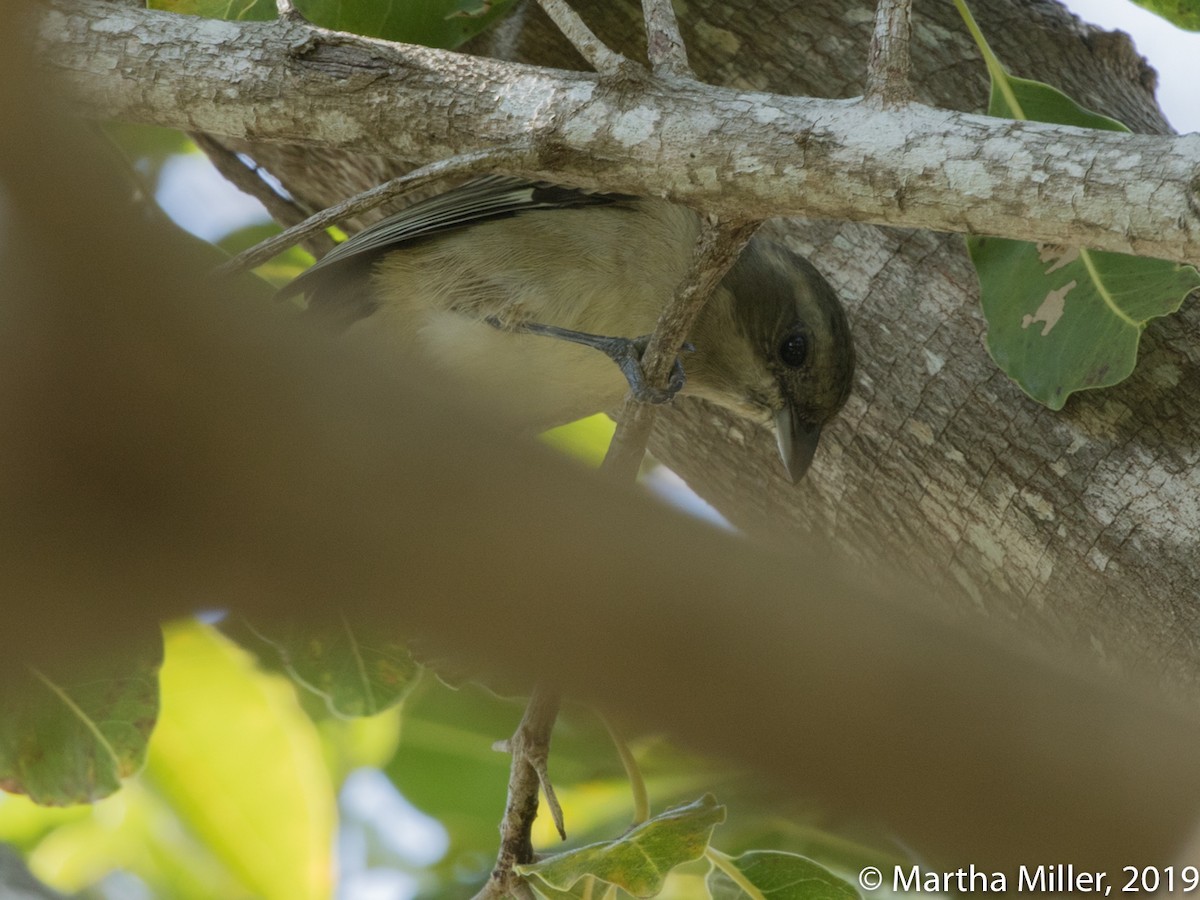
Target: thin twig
x=466 y=164
x=889 y=62
x=583 y=39
x=664 y=43
x=247 y=179
x=530 y=749
x=717 y=249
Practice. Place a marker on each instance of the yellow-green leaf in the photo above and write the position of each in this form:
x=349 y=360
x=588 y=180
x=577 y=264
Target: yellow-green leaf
x=241 y=764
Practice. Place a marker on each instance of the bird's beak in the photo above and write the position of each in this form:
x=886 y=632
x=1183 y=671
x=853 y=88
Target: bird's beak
x=797 y=442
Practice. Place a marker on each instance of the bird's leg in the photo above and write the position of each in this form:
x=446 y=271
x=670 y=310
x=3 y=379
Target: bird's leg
x=625 y=352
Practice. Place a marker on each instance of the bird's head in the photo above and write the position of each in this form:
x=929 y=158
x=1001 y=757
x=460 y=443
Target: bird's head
x=773 y=345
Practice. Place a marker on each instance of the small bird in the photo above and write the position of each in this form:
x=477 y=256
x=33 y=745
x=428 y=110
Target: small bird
x=476 y=278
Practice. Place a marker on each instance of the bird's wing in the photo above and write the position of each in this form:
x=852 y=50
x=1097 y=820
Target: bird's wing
x=481 y=200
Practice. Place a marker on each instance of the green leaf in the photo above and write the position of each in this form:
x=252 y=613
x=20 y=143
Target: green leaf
x=242 y=766
x=639 y=861
x=774 y=875
x=446 y=767
x=1020 y=98
x=431 y=23
x=1064 y=319
x=1181 y=13
x=237 y=10
x=71 y=738
x=355 y=671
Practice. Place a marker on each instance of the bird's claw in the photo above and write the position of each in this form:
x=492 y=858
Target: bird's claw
x=627 y=354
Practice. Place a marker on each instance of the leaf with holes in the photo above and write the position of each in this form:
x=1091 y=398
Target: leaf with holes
x=1064 y=319
x=637 y=862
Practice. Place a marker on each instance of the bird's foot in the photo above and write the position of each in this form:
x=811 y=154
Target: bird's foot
x=625 y=352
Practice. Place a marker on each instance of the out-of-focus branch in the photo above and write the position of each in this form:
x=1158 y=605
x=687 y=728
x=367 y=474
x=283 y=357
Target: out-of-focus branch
x=244 y=177
x=165 y=448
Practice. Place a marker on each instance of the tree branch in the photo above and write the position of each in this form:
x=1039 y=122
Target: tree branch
x=249 y=181
x=733 y=153
x=664 y=43
x=889 y=63
x=530 y=749
x=575 y=30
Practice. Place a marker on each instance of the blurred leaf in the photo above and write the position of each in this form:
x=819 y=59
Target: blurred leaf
x=585 y=439
x=357 y=672
x=136 y=833
x=1064 y=319
x=23 y=823
x=241 y=764
x=1181 y=13
x=637 y=862
x=71 y=738
x=148 y=147
x=239 y=10
x=431 y=23
x=351 y=744
x=775 y=876
x=446 y=767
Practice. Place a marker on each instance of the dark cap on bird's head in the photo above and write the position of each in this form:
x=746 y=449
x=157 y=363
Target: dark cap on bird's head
x=794 y=364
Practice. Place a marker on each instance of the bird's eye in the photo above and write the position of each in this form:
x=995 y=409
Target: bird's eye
x=794 y=350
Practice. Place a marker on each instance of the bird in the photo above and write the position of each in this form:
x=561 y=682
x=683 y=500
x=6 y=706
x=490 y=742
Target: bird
x=480 y=280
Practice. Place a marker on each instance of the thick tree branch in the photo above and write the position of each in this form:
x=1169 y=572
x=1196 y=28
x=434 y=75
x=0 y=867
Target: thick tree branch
x=735 y=153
